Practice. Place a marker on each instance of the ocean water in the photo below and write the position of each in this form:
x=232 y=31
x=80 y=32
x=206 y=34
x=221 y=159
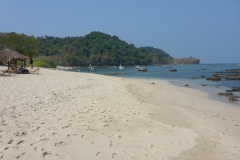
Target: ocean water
x=185 y=73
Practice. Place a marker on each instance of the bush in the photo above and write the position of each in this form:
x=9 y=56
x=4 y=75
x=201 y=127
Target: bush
x=45 y=64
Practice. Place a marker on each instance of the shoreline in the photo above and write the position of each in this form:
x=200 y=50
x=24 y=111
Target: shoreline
x=212 y=91
x=67 y=115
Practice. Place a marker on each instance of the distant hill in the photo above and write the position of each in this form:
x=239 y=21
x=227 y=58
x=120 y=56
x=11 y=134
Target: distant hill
x=96 y=48
x=99 y=49
x=189 y=60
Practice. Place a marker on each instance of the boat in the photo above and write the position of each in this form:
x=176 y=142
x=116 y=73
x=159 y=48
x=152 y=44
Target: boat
x=168 y=66
x=172 y=70
x=143 y=69
x=121 y=67
x=137 y=67
x=90 y=68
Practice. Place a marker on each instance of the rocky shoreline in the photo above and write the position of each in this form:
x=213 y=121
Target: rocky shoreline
x=232 y=74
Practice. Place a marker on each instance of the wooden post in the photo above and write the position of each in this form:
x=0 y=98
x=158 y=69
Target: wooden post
x=8 y=69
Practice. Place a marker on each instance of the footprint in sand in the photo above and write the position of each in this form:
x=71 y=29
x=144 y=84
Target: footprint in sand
x=96 y=144
x=55 y=133
x=83 y=136
x=38 y=149
x=6 y=148
x=65 y=127
x=114 y=155
x=21 y=142
x=47 y=154
x=44 y=140
x=20 y=133
x=62 y=156
x=99 y=154
x=44 y=135
x=23 y=155
x=70 y=135
x=38 y=128
x=52 y=128
x=41 y=140
x=111 y=145
x=60 y=144
x=10 y=142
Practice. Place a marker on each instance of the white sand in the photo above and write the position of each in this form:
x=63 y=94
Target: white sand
x=65 y=115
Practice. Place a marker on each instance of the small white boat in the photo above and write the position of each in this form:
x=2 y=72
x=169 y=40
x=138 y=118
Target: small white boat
x=90 y=68
x=121 y=67
x=168 y=66
x=137 y=67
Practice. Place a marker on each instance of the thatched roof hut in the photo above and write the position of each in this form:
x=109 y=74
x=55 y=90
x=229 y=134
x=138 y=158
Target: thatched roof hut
x=10 y=57
x=8 y=54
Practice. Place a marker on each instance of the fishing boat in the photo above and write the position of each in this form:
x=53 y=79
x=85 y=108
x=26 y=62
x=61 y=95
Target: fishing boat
x=121 y=67
x=167 y=66
x=143 y=69
x=137 y=67
x=90 y=68
x=172 y=70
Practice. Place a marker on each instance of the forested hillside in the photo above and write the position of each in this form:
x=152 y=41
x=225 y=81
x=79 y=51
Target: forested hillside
x=189 y=60
x=95 y=48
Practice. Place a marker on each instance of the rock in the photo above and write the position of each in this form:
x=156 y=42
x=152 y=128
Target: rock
x=225 y=94
x=186 y=85
x=233 y=98
x=235 y=89
x=233 y=77
x=214 y=78
x=203 y=84
x=202 y=76
x=111 y=74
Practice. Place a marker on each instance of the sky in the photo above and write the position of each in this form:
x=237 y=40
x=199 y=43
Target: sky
x=205 y=29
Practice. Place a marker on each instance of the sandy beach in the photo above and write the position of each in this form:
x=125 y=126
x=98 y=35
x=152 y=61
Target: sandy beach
x=65 y=115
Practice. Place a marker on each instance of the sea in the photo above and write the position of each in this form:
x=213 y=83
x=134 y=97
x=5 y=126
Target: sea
x=186 y=74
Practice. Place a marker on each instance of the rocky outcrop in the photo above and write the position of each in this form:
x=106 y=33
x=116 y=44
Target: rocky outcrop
x=189 y=60
x=233 y=98
x=214 y=78
x=232 y=74
x=225 y=94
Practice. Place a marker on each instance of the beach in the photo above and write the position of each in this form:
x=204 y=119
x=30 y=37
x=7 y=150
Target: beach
x=69 y=115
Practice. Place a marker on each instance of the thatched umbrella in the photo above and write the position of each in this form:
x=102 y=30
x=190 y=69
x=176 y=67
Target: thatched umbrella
x=8 y=55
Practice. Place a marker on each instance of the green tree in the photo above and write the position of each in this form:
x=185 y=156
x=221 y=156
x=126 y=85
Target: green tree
x=21 y=43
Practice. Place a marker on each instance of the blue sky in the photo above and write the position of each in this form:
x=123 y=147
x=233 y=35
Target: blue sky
x=205 y=29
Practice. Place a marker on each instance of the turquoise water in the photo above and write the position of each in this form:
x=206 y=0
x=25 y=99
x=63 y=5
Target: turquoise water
x=184 y=73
